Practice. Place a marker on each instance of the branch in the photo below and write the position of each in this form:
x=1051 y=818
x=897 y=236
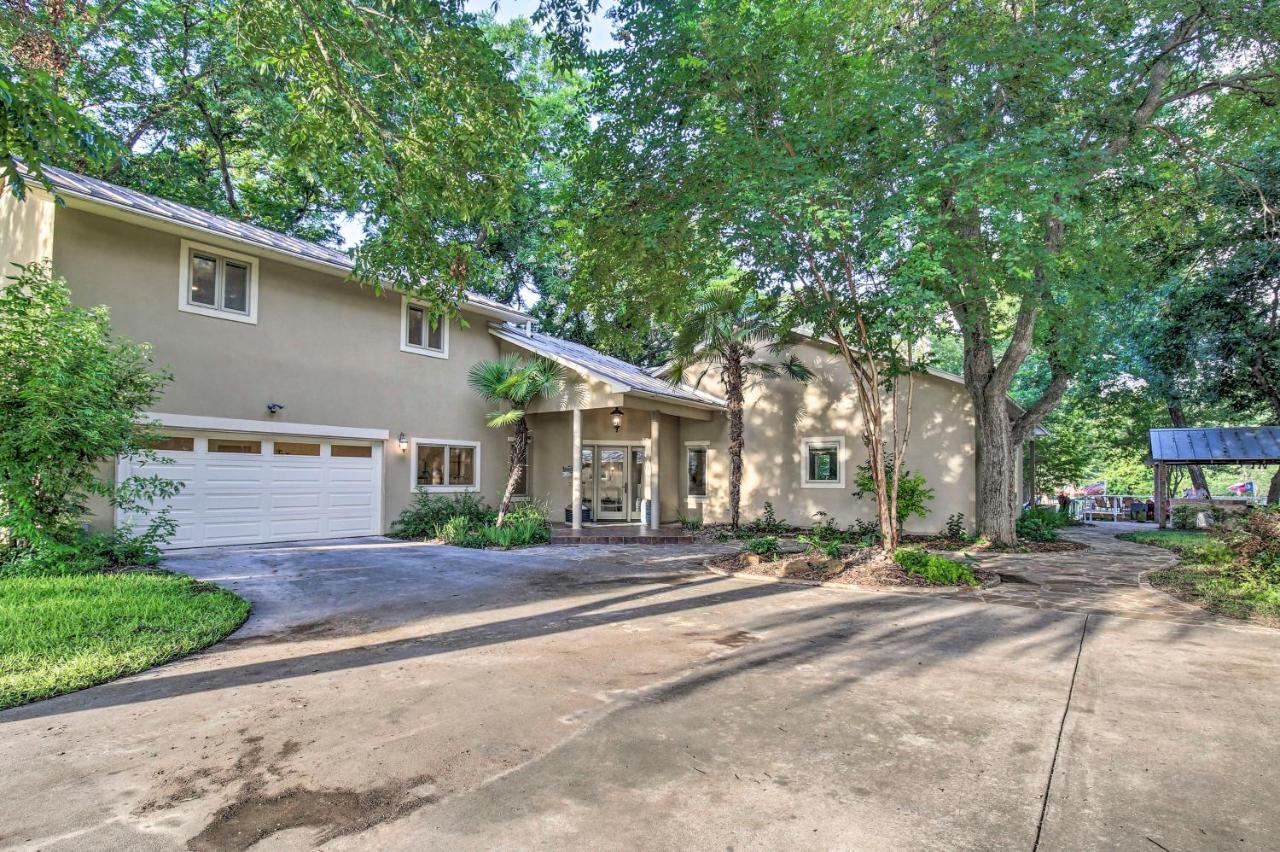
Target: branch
x=1033 y=416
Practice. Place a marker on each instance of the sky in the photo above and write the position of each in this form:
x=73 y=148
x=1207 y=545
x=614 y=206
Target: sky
x=351 y=229
x=597 y=39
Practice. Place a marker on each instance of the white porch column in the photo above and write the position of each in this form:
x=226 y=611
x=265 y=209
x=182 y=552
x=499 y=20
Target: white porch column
x=655 y=517
x=576 y=486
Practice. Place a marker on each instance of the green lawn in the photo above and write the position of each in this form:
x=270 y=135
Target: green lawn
x=63 y=633
x=1206 y=576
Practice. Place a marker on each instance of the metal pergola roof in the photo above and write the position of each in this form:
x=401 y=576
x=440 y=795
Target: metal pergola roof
x=1239 y=445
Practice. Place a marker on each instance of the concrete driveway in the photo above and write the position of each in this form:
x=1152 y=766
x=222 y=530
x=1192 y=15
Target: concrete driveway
x=390 y=695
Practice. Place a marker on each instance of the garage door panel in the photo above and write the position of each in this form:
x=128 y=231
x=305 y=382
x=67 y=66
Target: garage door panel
x=350 y=500
x=232 y=531
x=352 y=475
x=296 y=474
x=234 y=501
x=283 y=529
x=294 y=501
x=354 y=525
x=247 y=498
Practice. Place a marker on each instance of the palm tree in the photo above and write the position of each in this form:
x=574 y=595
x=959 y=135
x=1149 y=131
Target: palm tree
x=728 y=325
x=514 y=382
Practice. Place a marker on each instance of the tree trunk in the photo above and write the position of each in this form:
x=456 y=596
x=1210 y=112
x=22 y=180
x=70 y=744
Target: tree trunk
x=519 y=458
x=1273 y=493
x=1179 y=419
x=996 y=492
x=734 y=380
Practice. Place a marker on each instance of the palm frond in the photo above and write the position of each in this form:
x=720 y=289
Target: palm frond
x=503 y=419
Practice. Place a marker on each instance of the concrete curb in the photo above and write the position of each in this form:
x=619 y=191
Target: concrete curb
x=850 y=587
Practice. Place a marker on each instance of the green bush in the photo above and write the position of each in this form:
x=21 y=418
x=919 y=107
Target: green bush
x=935 y=569
x=767 y=524
x=765 y=547
x=525 y=524
x=913 y=490
x=71 y=397
x=955 y=529
x=829 y=547
x=428 y=513
x=1033 y=525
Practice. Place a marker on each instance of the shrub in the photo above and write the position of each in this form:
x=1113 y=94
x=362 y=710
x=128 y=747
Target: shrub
x=766 y=525
x=71 y=396
x=1032 y=525
x=427 y=515
x=955 y=529
x=688 y=522
x=525 y=524
x=863 y=533
x=1254 y=541
x=829 y=547
x=934 y=568
x=913 y=492
x=765 y=547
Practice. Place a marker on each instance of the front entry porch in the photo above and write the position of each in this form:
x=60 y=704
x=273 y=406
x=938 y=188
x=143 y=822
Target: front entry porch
x=619 y=533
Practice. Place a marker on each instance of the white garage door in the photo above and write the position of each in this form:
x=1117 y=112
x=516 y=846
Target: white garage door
x=242 y=489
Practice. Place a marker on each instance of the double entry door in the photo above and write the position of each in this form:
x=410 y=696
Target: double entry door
x=613 y=481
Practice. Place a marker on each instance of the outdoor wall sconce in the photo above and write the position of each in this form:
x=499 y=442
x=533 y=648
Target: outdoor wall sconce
x=403 y=442
x=616 y=417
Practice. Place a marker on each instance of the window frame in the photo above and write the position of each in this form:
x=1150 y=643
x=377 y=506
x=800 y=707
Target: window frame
x=842 y=461
x=445 y=443
x=406 y=346
x=188 y=248
x=705 y=448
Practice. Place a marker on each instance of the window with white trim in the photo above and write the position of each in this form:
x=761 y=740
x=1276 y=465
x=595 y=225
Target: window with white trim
x=823 y=462
x=218 y=283
x=421 y=331
x=696 y=471
x=446 y=465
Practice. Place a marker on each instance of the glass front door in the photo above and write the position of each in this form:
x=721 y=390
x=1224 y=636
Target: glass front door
x=611 y=489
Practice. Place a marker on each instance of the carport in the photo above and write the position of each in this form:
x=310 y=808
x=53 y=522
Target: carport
x=1256 y=445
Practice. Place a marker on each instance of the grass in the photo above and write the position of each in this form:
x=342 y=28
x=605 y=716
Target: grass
x=1206 y=576
x=63 y=633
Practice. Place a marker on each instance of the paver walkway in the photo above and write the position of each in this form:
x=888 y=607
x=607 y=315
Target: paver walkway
x=1105 y=578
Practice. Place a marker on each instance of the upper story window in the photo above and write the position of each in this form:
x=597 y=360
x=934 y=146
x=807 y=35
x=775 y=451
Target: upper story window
x=218 y=283
x=421 y=332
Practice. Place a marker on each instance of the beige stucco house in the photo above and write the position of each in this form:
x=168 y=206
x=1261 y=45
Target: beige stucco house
x=305 y=406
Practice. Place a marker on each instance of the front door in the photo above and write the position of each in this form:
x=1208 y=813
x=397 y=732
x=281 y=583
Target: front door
x=612 y=484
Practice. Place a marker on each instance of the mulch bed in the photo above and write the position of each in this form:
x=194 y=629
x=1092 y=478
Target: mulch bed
x=935 y=542
x=864 y=567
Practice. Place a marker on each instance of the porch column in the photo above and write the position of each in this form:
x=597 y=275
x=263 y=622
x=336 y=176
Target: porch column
x=655 y=517
x=576 y=486
x=1162 y=475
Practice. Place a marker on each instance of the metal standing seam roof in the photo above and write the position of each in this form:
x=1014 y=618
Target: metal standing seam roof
x=615 y=371
x=93 y=189
x=1258 y=444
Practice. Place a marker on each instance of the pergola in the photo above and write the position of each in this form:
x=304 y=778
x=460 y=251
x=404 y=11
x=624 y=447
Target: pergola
x=1257 y=445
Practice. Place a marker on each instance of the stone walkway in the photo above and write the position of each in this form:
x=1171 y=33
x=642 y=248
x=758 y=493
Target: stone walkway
x=1105 y=578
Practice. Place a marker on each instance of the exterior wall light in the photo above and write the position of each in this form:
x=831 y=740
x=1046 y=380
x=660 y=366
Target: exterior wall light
x=615 y=417
x=403 y=442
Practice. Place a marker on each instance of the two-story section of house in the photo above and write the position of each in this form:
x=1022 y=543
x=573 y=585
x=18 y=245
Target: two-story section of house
x=305 y=406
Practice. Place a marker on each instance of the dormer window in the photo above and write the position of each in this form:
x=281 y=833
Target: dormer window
x=422 y=332
x=218 y=283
